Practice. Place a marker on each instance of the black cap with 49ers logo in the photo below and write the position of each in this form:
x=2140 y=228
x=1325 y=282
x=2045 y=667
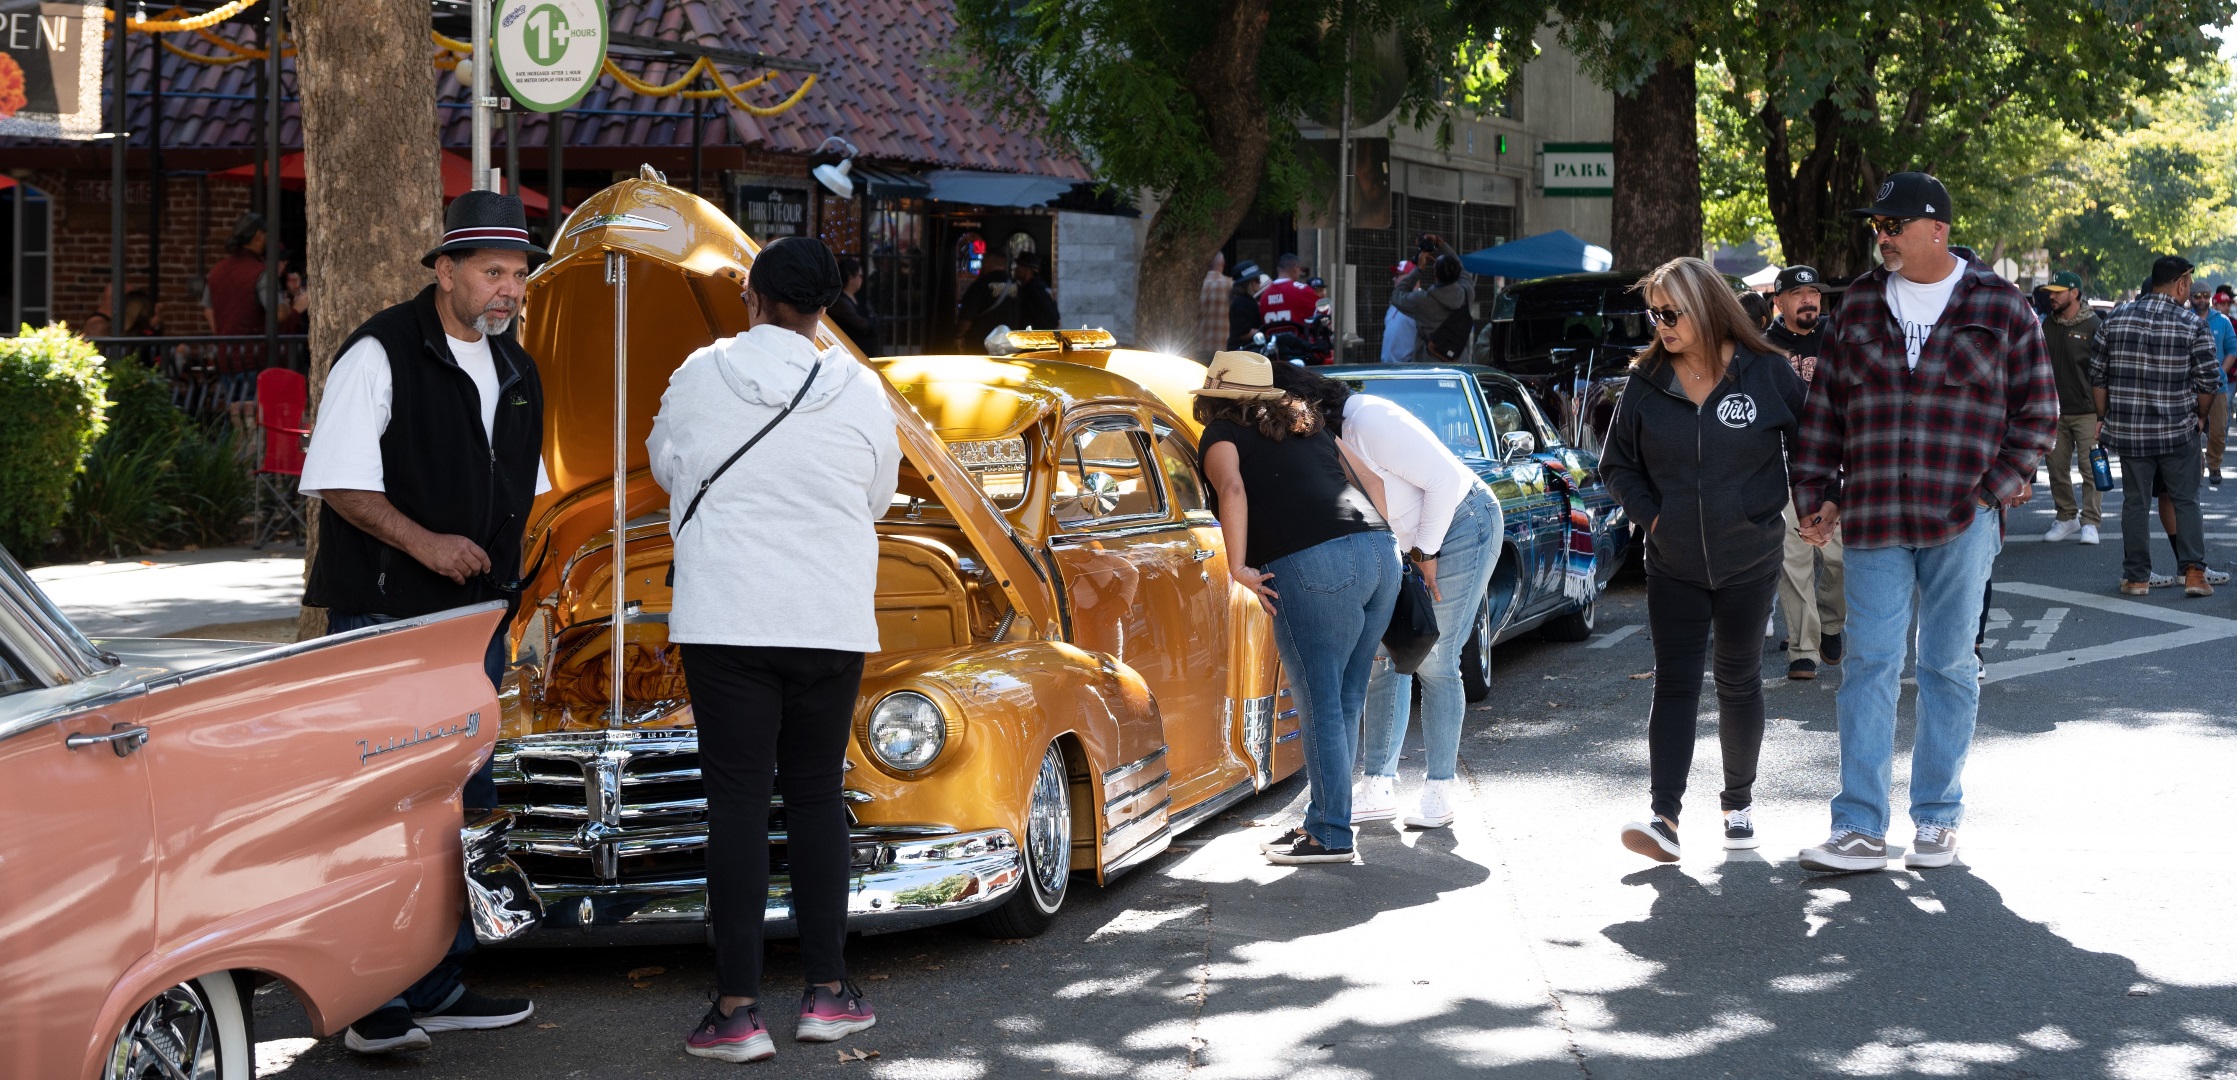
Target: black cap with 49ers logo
x=1797 y=277
x=1909 y=195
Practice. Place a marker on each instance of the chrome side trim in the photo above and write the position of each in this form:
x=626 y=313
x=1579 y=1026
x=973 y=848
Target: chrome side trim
x=1143 y=852
x=1121 y=773
x=1258 y=737
x=1156 y=781
x=1116 y=836
x=1203 y=811
x=1290 y=736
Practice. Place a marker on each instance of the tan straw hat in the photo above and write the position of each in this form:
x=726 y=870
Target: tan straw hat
x=1244 y=376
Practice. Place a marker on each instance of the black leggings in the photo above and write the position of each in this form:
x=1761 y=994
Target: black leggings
x=1681 y=618
x=771 y=716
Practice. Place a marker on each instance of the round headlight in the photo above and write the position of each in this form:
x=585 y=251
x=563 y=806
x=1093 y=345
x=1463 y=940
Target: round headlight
x=907 y=731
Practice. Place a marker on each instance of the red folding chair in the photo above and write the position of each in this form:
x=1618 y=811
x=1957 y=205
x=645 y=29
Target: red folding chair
x=281 y=396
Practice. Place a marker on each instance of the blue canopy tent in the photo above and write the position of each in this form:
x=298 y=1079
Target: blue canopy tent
x=1556 y=252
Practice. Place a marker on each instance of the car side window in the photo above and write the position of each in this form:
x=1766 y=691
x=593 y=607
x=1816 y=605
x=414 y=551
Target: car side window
x=12 y=678
x=1508 y=413
x=1177 y=460
x=1102 y=476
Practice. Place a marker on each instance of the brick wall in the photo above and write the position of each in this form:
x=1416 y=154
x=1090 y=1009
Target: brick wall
x=1097 y=257
x=81 y=241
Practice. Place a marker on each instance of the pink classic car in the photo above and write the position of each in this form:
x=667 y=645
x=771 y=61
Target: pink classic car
x=194 y=818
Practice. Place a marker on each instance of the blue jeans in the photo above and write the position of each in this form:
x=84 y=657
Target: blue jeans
x=438 y=988
x=1335 y=604
x=1464 y=565
x=1945 y=585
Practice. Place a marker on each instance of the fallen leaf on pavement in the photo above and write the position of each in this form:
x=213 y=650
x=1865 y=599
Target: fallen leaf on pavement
x=1644 y=675
x=875 y=978
x=546 y=1027
x=642 y=985
x=646 y=972
x=860 y=1056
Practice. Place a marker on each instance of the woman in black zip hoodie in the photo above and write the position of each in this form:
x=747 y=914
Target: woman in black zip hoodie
x=1697 y=455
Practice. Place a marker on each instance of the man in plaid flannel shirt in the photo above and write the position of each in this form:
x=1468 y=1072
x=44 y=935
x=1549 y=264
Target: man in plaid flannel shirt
x=1211 y=309
x=1932 y=406
x=2155 y=374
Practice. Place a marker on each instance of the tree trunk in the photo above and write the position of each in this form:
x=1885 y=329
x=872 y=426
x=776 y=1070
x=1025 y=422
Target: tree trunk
x=1657 y=212
x=1810 y=199
x=1192 y=224
x=372 y=182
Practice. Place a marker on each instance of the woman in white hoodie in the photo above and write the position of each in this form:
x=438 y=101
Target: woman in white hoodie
x=1447 y=523
x=776 y=564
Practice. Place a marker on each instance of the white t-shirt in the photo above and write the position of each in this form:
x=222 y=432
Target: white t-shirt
x=1918 y=307
x=345 y=453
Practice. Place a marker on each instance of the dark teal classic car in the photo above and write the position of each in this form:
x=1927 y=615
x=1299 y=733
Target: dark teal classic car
x=1552 y=496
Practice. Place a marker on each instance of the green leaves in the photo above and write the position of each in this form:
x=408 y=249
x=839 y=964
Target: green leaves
x=51 y=411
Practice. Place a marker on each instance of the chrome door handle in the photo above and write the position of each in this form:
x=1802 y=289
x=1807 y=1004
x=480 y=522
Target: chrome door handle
x=1200 y=554
x=123 y=738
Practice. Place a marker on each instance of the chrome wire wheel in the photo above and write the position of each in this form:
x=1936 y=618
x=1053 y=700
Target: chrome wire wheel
x=1048 y=831
x=173 y=1037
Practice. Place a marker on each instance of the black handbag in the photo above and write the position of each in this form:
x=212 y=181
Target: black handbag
x=1412 y=632
x=1413 y=624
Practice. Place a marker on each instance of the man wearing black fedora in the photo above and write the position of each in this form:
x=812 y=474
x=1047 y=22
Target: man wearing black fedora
x=425 y=400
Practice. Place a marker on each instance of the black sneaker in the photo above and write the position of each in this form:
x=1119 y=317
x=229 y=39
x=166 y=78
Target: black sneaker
x=1305 y=850
x=1283 y=841
x=1652 y=838
x=1739 y=829
x=389 y=1030
x=1802 y=669
x=473 y=1012
x=1829 y=648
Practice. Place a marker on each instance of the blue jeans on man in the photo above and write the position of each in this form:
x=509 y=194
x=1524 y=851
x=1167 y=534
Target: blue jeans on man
x=438 y=988
x=1944 y=587
x=1464 y=562
x=1336 y=598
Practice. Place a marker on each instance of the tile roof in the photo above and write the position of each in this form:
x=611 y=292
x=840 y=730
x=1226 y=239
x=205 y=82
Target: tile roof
x=881 y=90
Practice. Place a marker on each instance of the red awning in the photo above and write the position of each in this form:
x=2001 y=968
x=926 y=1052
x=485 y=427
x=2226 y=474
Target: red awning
x=457 y=179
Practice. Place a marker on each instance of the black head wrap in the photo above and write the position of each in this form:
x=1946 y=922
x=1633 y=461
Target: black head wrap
x=798 y=270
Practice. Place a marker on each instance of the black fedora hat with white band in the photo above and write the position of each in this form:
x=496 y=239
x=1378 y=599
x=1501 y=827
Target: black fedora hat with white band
x=486 y=221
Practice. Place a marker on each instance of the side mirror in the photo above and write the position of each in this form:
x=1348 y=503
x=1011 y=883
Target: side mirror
x=1518 y=444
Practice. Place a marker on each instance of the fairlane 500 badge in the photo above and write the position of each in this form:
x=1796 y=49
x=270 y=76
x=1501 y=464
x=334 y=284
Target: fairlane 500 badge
x=367 y=751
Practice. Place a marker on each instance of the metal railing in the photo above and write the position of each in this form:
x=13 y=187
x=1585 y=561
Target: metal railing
x=209 y=373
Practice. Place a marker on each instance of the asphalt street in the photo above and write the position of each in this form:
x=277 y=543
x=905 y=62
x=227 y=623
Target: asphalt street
x=2085 y=932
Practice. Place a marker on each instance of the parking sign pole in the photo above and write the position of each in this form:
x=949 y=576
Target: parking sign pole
x=483 y=102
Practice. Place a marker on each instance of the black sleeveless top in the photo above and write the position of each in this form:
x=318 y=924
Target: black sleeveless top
x=1299 y=495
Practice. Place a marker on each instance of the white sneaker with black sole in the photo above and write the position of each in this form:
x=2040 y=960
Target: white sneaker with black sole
x=1374 y=798
x=1653 y=838
x=1306 y=851
x=1739 y=829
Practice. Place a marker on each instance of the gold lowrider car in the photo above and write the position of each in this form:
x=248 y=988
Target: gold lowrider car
x=1068 y=676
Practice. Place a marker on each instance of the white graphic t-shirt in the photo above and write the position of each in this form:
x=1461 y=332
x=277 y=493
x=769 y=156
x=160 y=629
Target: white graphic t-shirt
x=1918 y=307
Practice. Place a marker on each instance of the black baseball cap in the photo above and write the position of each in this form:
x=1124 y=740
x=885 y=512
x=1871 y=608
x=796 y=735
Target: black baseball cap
x=1909 y=195
x=1797 y=277
x=2167 y=268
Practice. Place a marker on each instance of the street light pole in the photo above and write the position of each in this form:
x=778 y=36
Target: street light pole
x=483 y=102
x=1342 y=277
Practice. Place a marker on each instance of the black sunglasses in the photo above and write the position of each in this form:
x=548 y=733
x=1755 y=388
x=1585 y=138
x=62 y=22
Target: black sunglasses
x=1890 y=227
x=1666 y=316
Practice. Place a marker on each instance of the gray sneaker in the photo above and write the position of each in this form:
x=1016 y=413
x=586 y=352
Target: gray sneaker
x=1934 y=846
x=1846 y=849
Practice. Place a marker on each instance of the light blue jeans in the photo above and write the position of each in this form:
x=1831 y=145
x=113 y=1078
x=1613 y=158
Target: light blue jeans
x=1335 y=604
x=1945 y=586
x=1464 y=565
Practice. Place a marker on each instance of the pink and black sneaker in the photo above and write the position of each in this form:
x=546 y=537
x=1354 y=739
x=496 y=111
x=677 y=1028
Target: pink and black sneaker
x=828 y=1017
x=739 y=1036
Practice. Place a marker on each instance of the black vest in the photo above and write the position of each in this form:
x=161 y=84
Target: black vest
x=441 y=471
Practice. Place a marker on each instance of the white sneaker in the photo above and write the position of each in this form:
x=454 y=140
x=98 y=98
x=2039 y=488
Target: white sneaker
x=1375 y=798
x=2089 y=534
x=1434 y=811
x=2062 y=529
x=2161 y=581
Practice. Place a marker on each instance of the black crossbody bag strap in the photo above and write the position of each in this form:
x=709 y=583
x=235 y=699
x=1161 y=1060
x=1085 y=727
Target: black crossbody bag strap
x=709 y=482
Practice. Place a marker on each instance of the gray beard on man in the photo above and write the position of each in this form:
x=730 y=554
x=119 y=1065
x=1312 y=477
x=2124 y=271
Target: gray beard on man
x=486 y=323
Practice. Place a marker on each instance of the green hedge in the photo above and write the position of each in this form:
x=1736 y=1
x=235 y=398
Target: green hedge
x=156 y=479
x=52 y=386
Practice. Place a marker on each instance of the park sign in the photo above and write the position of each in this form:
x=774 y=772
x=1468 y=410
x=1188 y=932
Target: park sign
x=50 y=69
x=549 y=52
x=1586 y=169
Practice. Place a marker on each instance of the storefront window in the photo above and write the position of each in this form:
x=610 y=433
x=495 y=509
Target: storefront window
x=896 y=281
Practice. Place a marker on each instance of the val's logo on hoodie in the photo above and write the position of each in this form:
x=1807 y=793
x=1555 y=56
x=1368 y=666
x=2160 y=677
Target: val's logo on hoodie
x=1736 y=410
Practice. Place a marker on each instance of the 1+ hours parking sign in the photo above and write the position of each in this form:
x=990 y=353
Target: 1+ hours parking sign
x=549 y=52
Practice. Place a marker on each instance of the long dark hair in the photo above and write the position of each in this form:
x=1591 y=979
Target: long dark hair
x=1325 y=395
x=1697 y=289
x=1275 y=419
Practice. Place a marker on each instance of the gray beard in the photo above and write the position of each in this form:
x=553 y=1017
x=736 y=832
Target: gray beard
x=485 y=324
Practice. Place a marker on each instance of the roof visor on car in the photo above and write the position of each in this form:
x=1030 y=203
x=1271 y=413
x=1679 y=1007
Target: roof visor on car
x=1061 y=340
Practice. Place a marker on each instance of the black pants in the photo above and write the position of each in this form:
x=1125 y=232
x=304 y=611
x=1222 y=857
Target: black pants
x=774 y=717
x=1682 y=618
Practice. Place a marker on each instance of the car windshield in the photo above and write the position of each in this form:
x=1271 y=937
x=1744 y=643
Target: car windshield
x=1439 y=401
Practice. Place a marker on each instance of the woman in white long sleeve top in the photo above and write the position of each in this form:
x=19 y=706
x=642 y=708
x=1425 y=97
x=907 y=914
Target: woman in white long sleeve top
x=1448 y=524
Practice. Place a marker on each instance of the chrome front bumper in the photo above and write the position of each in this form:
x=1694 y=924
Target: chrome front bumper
x=911 y=883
